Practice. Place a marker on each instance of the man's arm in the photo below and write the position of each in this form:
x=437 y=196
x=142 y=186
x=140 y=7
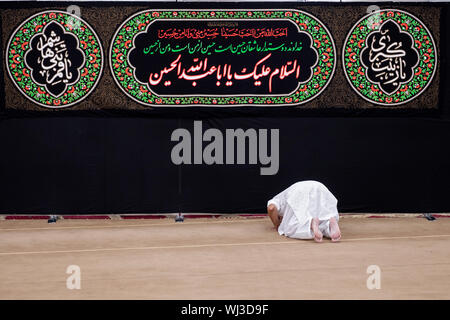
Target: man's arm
x=274 y=215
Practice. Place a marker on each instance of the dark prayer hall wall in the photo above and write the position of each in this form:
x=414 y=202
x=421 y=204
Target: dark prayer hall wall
x=117 y=158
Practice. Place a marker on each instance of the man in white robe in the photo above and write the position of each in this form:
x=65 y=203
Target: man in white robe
x=305 y=210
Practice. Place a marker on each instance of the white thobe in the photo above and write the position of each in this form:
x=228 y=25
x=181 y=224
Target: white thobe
x=302 y=202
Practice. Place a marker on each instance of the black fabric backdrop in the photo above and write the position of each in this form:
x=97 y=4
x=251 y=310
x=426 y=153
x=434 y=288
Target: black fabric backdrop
x=119 y=162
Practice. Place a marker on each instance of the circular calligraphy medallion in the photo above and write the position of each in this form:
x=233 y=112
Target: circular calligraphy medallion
x=222 y=57
x=389 y=57
x=55 y=59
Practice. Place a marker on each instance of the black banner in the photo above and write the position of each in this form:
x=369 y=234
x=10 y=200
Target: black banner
x=344 y=58
x=102 y=149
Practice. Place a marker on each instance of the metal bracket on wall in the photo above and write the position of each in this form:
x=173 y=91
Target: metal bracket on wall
x=429 y=216
x=179 y=218
x=53 y=219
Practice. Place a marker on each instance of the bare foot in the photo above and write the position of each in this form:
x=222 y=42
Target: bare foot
x=315 y=228
x=335 y=232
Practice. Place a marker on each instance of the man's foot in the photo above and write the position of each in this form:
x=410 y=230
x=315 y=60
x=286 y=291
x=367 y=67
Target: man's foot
x=335 y=232
x=315 y=228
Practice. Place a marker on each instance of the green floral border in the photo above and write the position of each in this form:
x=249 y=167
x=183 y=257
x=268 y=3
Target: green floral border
x=355 y=70
x=20 y=73
x=122 y=44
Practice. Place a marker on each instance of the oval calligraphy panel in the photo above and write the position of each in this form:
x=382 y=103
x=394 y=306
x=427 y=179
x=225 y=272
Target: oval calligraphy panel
x=55 y=59
x=222 y=57
x=389 y=57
